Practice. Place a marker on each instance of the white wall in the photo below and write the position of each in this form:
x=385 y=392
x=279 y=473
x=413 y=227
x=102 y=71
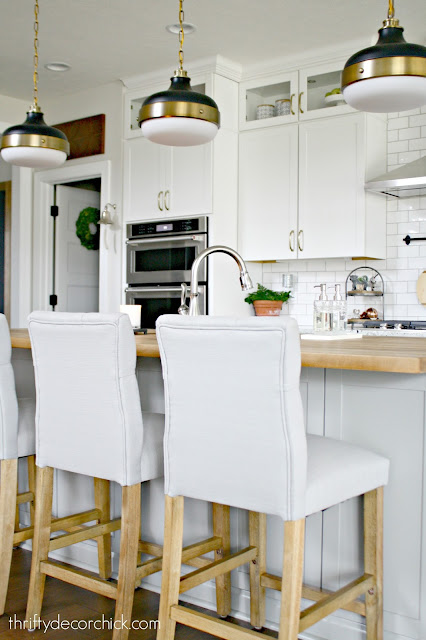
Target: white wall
x=107 y=99
x=403 y=264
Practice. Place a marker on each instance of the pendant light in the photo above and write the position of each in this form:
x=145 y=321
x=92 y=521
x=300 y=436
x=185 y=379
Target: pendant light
x=389 y=76
x=33 y=143
x=179 y=116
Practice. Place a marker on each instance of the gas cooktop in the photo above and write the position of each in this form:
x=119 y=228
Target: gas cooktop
x=390 y=327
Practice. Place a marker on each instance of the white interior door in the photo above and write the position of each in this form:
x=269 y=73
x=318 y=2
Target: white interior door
x=76 y=268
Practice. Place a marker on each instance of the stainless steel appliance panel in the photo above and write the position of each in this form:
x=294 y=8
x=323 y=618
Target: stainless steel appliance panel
x=164 y=260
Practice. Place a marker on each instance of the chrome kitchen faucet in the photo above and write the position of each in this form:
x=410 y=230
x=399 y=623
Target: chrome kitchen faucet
x=245 y=279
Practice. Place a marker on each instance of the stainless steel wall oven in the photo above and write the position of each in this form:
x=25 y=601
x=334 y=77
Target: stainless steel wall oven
x=160 y=254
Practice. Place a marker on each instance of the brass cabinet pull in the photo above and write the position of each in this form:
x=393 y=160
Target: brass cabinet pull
x=291 y=240
x=160 y=200
x=300 y=102
x=291 y=104
x=167 y=200
x=300 y=240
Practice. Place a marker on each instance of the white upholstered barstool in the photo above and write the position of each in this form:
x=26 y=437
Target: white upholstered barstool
x=234 y=384
x=17 y=440
x=89 y=421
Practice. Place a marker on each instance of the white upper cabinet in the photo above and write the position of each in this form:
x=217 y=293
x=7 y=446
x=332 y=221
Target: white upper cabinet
x=304 y=90
x=267 y=226
x=161 y=181
x=302 y=189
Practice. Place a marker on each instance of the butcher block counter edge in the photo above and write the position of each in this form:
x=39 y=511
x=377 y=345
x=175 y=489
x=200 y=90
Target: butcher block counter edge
x=394 y=355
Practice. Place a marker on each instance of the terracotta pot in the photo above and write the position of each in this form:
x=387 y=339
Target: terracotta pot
x=267 y=307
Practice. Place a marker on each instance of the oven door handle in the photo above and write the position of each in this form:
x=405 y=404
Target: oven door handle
x=151 y=289
x=167 y=239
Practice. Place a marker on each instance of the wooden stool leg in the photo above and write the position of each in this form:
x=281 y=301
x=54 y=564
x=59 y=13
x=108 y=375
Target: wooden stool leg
x=257 y=538
x=373 y=561
x=41 y=539
x=129 y=546
x=8 y=490
x=291 y=593
x=222 y=528
x=172 y=554
x=32 y=484
x=102 y=502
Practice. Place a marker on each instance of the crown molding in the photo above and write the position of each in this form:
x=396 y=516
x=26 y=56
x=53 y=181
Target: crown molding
x=313 y=57
x=215 y=64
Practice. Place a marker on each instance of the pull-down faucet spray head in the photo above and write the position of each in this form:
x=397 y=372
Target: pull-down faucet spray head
x=245 y=279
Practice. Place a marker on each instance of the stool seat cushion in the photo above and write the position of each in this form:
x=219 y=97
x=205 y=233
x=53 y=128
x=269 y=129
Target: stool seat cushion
x=152 y=452
x=339 y=470
x=26 y=427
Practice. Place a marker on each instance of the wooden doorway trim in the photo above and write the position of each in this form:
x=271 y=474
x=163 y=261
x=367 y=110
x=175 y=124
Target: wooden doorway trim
x=7 y=188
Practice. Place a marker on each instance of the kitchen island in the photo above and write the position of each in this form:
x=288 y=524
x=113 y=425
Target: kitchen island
x=371 y=392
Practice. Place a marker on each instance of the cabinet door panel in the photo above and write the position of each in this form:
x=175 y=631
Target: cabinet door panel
x=268 y=193
x=190 y=180
x=331 y=186
x=143 y=179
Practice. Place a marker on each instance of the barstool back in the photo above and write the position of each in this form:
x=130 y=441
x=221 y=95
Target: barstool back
x=234 y=420
x=8 y=400
x=88 y=417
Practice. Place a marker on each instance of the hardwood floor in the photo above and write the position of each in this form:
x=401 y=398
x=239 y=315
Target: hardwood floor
x=73 y=604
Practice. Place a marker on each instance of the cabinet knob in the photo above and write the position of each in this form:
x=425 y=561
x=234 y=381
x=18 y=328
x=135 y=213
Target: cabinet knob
x=160 y=200
x=291 y=240
x=300 y=240
x=167 y=200
x=293 y=95
x=300 y=102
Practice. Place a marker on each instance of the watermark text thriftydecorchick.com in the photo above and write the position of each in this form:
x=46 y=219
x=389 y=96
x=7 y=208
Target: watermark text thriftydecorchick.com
x=99 y=624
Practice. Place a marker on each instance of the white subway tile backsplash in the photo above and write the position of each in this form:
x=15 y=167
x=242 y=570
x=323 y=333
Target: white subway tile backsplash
x=397 y=216
x=408 y=156
x=408 y=134
x=399 y=123
x=393 y=135
x=398 y=147
x=417 y=121
x=419 y=143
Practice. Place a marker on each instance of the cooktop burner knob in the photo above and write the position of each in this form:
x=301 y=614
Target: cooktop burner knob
x=398 y=325
x=383 y=326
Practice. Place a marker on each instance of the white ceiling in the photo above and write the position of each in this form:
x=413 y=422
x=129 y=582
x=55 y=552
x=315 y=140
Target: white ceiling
x=104 y=40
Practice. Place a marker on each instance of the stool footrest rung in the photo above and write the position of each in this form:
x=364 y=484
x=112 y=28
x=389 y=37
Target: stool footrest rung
x=21 y=498
x=336 y=600
x=213 y=626
x=270 y=581
x=87 y=533
x=22 y=534
x=189 y=554
x=59 y=524
x=217 y=568
x=79 y=579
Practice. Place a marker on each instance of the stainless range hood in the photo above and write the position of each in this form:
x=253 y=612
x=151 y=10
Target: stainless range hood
x=409 y=180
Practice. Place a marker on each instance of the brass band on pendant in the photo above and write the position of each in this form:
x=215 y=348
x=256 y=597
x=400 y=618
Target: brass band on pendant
x=381 y=67
x=179 y=109
x=35 y=140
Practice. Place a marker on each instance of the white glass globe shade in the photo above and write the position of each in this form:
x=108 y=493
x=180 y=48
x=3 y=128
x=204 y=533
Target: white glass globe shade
x=178 y=131
x=388 y=94
x=33 y=157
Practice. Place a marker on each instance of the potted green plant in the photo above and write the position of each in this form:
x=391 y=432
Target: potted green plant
x=267 y=302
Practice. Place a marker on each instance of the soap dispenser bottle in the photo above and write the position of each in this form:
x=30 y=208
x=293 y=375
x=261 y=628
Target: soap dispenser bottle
x=338 y=311
x=322 y=310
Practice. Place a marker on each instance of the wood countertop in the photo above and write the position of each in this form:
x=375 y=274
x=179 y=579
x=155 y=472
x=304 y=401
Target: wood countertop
x=395 y=355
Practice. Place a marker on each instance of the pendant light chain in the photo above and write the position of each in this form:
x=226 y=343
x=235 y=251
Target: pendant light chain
x=181 y=35
x=391 y=11
x=35 y=77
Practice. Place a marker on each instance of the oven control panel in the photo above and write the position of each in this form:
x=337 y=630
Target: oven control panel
x=167 y=227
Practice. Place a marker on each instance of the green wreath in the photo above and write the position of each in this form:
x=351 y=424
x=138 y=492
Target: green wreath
x=88 y=216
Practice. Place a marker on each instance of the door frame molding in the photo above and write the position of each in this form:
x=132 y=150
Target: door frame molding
x=7 y=188
x=44 y=182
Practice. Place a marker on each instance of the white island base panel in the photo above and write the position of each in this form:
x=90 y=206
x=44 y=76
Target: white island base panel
x=382 y=411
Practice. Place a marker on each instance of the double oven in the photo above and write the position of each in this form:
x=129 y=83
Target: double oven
x=160 y=254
